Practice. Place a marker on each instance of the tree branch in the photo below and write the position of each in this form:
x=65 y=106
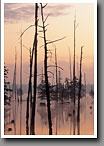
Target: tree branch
x=25 y=30
x=46 y=18
x=55 y=66
x=50 y=72
x=44 y=6
x=55 y=40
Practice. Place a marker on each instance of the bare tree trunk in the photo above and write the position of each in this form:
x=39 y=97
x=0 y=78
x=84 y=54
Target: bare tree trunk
x=21 y=73
x=21 y=88
x=46 y=74
x=74 y=91
x=59 y=82
x=56 y=90
x=79 y=95
x=35 y=72
x=85 y=95
x=74 y=76
x=85 y=83
x=29 y=95
x=56 y=75
x=70 y=65
x=14 y=90
x=74 y=66
x=30 y=80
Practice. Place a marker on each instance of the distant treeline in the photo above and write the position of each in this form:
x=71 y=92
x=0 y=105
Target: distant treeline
x=25 y=87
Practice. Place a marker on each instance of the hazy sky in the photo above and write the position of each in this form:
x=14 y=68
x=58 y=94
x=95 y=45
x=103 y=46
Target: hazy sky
x=61 y=23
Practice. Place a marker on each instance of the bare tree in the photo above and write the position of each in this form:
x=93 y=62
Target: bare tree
x=46 y=73
x=70 y=65
x=79 y=94
x=85 y=83
x=75 y=26
x=14 y=88
x=29 y=96
x=35 y=72
x=21 y=86
x=46 y=42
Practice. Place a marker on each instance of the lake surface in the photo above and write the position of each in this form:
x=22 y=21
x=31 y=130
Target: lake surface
x=63 y=122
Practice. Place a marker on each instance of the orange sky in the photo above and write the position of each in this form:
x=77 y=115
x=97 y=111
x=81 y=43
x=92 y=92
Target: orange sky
x=61 y=20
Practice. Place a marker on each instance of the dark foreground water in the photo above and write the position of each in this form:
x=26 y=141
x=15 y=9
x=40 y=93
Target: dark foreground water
x=63 y=121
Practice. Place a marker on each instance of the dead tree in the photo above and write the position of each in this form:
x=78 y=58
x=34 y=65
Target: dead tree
x=21 y=72
x=56 y=68
x=79 y=94
x=35 y=72
x=15 y=86
x=29 y=97
x=46 y=75
x=21 y=86
x=74 y=82
x=70 y=65
x=56 y=75
x=30 y=76
x=46 y=42
x=29 y=92
x=30 y=81
x=56 y=90
x=85 y=83
x=75 y=26
x=14 y=92
x=77 y=68
x=85 y=94
x=29 y=87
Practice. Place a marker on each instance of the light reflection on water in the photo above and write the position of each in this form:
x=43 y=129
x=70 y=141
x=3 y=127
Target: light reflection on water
x=62 y=118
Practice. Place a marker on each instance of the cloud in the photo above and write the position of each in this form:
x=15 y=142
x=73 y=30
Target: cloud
x=59 y=9
x=15 y=12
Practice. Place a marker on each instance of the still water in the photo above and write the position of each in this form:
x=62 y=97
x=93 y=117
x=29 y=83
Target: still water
x=62 y=118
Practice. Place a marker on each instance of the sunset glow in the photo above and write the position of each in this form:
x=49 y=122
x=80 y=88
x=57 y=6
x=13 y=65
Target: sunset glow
x=61 y=23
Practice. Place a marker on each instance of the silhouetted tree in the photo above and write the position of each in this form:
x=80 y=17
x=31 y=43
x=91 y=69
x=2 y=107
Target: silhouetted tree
x=71 y=88
x=35 y=71
x=79 y=92
x=46 y=73
x=6 y=86
x=7 y=90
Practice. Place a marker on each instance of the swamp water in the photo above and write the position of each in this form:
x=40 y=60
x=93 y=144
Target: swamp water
x=63 y=122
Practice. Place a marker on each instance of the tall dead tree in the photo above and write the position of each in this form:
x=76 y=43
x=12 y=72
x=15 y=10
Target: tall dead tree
x=77 y=68
x=59 y=79
x=74 y=77
x=35 y=72
x=79 y=94
x=30 y=82
x=59 y=85
x=21 y=72
x=42 y=76
x=30 y=86
x=46 y=42
x=56 y=90
x=74 y=90
x=21 y=86
x=85 y=83
x=14 y=92
x=85 y=95
x=56 y=75
x=29 y=97
x=46 y=73
x=70 y=65
x=15 y=86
